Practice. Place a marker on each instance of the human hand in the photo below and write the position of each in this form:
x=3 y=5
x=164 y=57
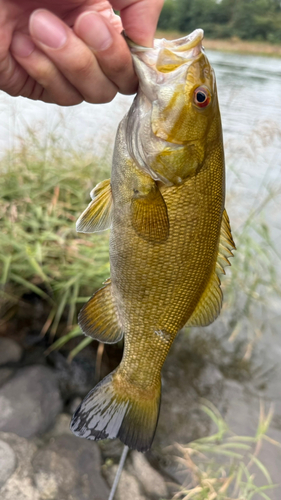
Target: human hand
x=74 y=50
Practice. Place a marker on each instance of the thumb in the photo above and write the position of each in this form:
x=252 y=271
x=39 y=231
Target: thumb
x=139 y=18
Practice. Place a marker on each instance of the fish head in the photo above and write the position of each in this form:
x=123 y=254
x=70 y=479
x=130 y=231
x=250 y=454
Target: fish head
x=176 y=112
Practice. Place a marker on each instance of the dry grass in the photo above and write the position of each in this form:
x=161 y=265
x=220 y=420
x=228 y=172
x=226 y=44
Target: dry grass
x=224 y=466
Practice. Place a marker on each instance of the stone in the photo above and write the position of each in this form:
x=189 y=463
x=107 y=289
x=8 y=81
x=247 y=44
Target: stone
x=68 y=468
x=128 y=487
x=7 y=462
x=73 y=405
x=186 y=378
x=77 y=378
x=152 y=482
x=10 y=351
x=64 y=468
x=62 y=426
x=30 y=402
x=5 y=375
x=19 y=485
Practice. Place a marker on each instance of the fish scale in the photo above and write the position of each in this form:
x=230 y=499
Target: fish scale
x=170 y=235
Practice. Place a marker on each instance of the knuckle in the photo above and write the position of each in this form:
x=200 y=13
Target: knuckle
x=121 y=65
x=159 y=4
x=83 y=66
x=43 y=73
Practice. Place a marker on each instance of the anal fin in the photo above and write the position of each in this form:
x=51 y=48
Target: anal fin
x=209 y=305
x=97 y=216
x=99 y=317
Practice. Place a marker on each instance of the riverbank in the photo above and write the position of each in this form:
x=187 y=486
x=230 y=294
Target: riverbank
x=234 y=45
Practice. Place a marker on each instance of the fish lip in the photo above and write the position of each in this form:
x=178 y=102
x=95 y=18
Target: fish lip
x=182 y=44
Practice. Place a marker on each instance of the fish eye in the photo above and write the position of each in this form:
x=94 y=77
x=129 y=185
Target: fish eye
x=201 y=97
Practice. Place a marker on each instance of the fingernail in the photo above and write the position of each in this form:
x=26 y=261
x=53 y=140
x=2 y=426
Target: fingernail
x=47 y=29
x=21 y=45
x=94 y=31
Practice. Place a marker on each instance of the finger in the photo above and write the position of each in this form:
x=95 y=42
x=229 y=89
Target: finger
x=115 y=58
x=12 y=76
x=139 y=18
x=43 y=80
x=104 y=8
x=71 y=56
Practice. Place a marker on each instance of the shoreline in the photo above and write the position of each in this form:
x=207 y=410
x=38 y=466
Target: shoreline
x=234 y=45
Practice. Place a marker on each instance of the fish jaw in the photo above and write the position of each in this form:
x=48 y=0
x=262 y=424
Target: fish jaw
x=166 y=132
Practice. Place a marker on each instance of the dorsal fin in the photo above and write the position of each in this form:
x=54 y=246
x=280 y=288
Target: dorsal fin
x=226 y=245
x=209 y=305
x=97 y=216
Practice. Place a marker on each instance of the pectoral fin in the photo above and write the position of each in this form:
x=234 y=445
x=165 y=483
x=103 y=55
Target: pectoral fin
x=99 y=317
x=149 y=214
x=97 y=216
x=209 y=305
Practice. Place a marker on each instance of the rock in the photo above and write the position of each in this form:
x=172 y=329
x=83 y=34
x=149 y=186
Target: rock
x=10 y=351
x=7 y=462
x=128 y=487
x=62 y=426
x=76 y=378
x=209 y=377
x=20 y=483
x=187 y=377
x=5 y=375
x=29 y=402
x=68 y=468
x=73 y=405
x=152 y=482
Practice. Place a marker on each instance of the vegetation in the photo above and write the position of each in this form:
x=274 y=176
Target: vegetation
x=43 y=191
x=246 y=19
x=224 y=466
x=45 y=188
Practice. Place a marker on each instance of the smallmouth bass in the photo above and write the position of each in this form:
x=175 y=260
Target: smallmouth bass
x=170 y=235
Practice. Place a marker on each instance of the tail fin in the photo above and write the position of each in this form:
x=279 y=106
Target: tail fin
x=115 y=408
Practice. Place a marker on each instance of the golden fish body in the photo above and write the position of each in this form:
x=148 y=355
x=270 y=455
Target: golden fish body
x=170 y=235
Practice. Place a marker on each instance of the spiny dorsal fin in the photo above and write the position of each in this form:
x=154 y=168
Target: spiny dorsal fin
x=97 y=216
x=99 y=317
x=209 y=305
x=150 y=216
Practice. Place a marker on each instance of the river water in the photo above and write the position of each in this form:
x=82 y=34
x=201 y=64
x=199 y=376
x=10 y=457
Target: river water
x=249 y=90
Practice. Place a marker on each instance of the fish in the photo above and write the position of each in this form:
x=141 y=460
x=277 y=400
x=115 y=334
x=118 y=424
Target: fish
x=170 y=236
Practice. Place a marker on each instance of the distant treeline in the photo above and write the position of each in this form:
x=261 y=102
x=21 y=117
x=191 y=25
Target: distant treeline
x=246 y=19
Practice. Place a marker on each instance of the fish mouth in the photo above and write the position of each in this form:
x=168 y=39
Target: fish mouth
x=167 y=55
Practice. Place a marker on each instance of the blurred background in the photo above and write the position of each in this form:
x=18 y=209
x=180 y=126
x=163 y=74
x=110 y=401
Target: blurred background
x=219 y=432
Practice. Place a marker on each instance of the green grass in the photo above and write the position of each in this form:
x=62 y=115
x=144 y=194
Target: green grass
x=43 y=191
x=224 y=466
